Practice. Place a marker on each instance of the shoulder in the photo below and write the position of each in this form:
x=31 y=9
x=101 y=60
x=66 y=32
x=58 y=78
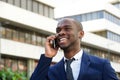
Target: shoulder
x=95 y=59
x=97 y=63
x=102 y=65
x=56 y=69
x=58 y=65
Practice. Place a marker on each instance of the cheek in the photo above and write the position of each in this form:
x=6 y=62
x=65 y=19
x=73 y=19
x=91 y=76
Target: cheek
x=72 y=35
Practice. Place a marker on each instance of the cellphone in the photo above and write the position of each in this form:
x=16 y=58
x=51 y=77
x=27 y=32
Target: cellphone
x=54 y=43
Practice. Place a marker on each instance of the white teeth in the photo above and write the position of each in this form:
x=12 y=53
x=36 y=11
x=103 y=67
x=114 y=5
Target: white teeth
x=62 y=39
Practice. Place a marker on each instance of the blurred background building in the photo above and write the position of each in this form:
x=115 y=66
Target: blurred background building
x=25 y=24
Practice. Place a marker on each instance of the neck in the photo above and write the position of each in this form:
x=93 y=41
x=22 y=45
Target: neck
x=69 y=53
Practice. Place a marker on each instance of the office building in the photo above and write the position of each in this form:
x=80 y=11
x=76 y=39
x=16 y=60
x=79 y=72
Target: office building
x=24 y=26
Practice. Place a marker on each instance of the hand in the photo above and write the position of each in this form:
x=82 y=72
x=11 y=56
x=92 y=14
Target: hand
x=49 y=50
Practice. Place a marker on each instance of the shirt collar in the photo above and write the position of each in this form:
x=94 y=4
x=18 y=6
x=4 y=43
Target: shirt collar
x=78 y=56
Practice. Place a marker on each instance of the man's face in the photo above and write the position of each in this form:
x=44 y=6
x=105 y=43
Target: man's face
x=68 y=34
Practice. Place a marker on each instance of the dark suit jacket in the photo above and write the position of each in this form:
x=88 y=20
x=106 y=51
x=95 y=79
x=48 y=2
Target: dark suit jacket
x=92 y=68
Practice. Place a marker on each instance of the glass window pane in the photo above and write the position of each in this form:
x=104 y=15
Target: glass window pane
x=10 y=1
x=35 y=6
x=14 y=65
x=94 y=15
x=17 y=3
x=2 y=63
x=8 y=62
x=22 y=36
x=34 y=39
x=100 y=14
x=4 y=0
x=40 y=8
x=22 y=65
x=84 y=17
x=2 y=32
x=51 y=13
x=43 y=41
x=89 y=16
x=39 y=40
x=15 y=35
x=29 y=5
x=28 y=38
x=8 y=33
x=24 y=4
x=46 y=11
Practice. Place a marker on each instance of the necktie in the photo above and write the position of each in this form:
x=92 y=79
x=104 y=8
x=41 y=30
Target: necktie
x=69 y=73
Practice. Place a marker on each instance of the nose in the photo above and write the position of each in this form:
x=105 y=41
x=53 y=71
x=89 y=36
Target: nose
x=62 y=32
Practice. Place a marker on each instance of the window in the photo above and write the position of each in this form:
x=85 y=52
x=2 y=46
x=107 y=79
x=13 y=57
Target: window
x=34 y=39
x=46 y=11
x=4 y=0
x=14 y=65
x=117 y=5
x=35 y=6
x=43 y=41
x=84 y=17
x=2 y=32
x=8 y=62
x=89 y=16
x=28 y=37
x=94 y=15
x=113 y=36
x=24 y=4
x=9 y=33
x=29 y=5
x=15 y=35
x=39 y=40
x=51 y=13
x=17 y=3
x=1 y=64
x=22 y=36
x=40 y=8
x=10 y=1
x=22 y=65
x=100 y=14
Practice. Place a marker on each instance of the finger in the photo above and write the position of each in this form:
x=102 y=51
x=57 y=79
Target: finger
x=52 y=37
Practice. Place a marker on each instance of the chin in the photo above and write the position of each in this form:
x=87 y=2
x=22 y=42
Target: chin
x=63 y=47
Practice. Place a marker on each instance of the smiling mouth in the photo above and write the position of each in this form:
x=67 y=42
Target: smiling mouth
x=62 y=40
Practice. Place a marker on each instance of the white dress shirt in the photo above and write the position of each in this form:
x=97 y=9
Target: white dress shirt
x=75 y=65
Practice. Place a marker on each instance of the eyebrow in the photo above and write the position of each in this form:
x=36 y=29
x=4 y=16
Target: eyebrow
x=65 y=26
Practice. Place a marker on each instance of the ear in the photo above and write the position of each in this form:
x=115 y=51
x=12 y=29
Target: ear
x=81 y=34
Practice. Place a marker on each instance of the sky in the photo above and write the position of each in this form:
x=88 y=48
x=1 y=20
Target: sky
x=67 y=7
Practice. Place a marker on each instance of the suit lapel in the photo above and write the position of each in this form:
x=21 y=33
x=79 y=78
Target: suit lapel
x=62 y=70
x=84 y=66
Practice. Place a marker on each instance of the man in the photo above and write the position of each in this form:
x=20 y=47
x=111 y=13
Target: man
x=84 y=66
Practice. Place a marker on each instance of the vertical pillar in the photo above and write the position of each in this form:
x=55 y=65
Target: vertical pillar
x=31 y=67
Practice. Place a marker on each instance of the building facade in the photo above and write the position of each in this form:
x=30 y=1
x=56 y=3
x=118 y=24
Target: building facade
x=24 y=26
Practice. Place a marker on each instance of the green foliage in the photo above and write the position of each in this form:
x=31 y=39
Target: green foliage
x=8 y=74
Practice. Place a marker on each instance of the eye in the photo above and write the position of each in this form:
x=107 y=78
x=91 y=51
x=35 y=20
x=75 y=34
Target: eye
x=68 y=29
x=65 y=28
x=58 y=30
